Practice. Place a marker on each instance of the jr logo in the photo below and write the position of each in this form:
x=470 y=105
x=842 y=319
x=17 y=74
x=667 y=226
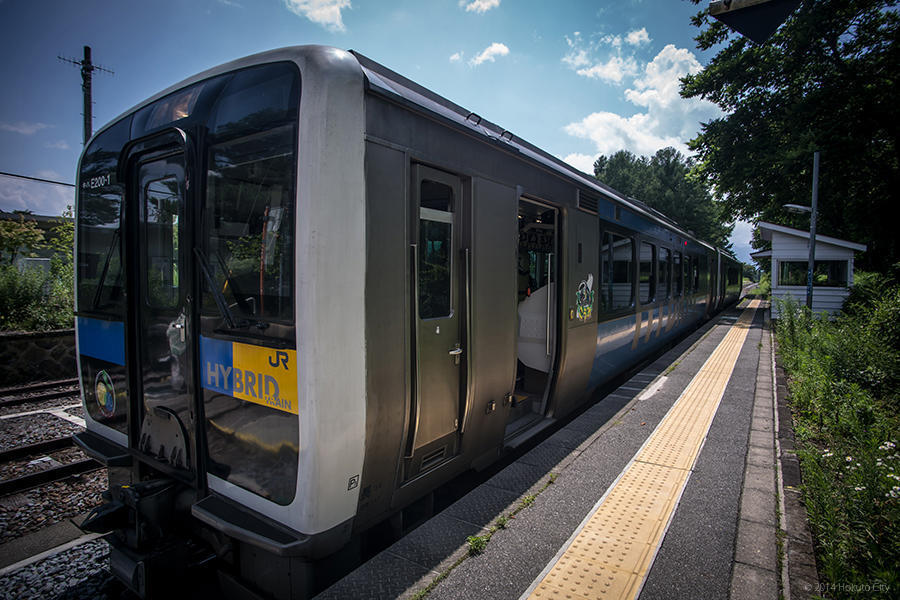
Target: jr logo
x=279 y=358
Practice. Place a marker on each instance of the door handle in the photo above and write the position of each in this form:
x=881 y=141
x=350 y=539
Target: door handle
x=456 y=353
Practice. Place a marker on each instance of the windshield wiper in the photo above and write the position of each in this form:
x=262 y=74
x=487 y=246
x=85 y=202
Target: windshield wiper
x=238 y=296
x=217 y=294
x=95 y=302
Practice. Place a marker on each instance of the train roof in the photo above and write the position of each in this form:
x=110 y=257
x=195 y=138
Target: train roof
x=389 y=83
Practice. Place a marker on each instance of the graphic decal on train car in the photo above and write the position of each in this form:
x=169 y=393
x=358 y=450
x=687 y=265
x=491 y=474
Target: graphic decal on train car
x=584 y=299
x=265 y=376
x=105 y=394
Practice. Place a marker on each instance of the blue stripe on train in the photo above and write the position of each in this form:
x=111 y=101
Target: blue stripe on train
x=101 y=339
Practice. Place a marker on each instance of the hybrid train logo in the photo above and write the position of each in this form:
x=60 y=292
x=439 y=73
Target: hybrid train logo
x=256 y=374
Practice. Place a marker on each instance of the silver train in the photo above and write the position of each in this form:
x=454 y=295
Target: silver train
x=310 y=291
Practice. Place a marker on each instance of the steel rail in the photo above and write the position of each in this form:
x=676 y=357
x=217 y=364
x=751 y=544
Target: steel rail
x=25 y=482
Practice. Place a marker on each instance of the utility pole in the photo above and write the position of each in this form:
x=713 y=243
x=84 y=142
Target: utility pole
x=87 y=70
x=812 y=232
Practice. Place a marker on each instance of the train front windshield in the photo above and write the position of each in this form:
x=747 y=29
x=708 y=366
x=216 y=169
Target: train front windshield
x=185 y=280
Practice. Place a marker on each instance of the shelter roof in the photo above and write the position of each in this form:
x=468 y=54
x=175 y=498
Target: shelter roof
x=766 y=230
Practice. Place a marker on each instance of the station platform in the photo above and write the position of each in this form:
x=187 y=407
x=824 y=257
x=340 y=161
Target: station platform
x=674 y=485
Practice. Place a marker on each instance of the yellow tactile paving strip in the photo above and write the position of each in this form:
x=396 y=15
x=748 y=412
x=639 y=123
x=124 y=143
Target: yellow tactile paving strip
x=611 y=554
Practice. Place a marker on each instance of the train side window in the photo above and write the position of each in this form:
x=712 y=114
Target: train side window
x=677 y=277
x=664 y=275
x=435 y=249
x=687 y=274
x=645 y=280
x=696 y=274
x=604 y=288
x=622 y=272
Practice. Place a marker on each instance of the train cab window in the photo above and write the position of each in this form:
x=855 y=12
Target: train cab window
x=645 y=276
x=677 y=277
x=161 y=209
x=99 y=262
x=622 y=271
x=664 y=275
x=435 y=249
x=259 y=97
x=247 y=256
x=248 y=225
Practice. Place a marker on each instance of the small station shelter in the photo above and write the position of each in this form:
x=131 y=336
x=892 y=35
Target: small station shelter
x=832 y=276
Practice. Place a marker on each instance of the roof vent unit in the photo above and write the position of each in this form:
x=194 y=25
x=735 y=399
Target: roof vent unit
x=587 y=203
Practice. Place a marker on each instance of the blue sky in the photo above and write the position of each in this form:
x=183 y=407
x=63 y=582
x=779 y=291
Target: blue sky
x=576 y=78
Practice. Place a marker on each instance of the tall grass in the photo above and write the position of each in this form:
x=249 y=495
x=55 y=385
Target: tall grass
x=844 y=377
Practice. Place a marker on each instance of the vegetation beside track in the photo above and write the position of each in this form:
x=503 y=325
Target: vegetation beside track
x=844 y=380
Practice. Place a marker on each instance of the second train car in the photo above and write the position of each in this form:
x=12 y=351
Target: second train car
x=310 y=291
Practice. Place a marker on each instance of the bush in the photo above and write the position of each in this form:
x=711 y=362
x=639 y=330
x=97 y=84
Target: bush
x=843 y=379
x=34 y=299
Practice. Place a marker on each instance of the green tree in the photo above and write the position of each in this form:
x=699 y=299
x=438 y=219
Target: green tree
x=19 y=236
x=827 y=80
x=34 y=299
x=665 y=183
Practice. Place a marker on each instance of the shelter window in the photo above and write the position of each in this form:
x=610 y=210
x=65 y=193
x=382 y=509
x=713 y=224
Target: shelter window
x=827 y=273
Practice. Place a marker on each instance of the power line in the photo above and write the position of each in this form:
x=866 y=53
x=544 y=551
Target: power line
x=37 y=179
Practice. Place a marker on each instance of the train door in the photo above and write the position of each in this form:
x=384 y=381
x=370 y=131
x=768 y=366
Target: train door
x=162 y=425
x=439 y=354
x=537 y=330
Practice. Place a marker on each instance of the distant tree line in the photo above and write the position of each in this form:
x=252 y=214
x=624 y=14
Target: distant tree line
x=664 y=182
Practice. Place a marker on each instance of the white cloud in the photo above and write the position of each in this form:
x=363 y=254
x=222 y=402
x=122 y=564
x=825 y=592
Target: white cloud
x=638 y=37
x=23 y=127
x=490 y=54
x=40 y=198
x=479 y=6
x=613 y=40
x=578 y=56
x=667 y=120
x=58 y=145
x=456 y=57
x=614 y=70
x=326 y=13
x=582 y=162
x=660 y=83
x=611 y=132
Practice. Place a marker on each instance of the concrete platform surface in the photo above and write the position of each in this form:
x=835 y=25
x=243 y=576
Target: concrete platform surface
x=721 y=541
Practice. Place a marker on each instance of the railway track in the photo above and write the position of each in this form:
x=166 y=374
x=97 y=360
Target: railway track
x=38 y=392
x=55 y=472
x=44 y=477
